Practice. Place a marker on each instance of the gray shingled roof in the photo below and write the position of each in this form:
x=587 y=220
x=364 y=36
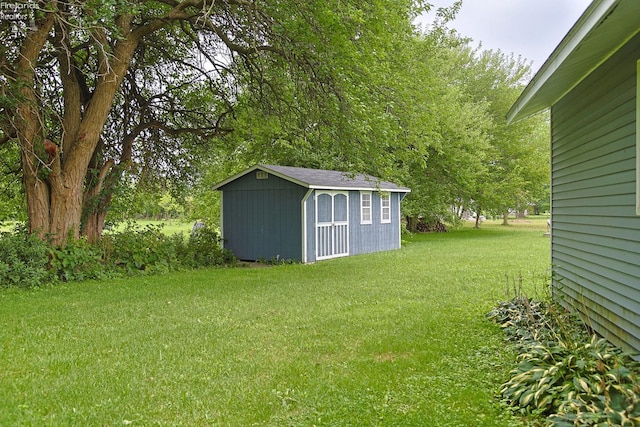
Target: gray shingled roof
x=326 y=179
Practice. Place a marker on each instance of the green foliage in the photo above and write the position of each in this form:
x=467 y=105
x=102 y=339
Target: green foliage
x=563 y=373
x=203 y=249
x=276 y=260
x=529 y=322
x=77 y=260
x=141 y=249
x=26 y=261
x=23 y=260
x=426 y=111
x=12 y=201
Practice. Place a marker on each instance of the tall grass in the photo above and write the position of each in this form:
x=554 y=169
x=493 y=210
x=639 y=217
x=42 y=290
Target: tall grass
x=392 y=339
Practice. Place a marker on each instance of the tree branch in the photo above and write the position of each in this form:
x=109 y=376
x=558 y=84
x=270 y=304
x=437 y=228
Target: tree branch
x=72 y=92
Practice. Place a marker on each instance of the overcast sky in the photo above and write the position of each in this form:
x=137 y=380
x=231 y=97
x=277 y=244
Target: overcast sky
x=531 y=28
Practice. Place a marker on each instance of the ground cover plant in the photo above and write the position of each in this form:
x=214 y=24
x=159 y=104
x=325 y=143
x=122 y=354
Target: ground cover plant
x=388 y=339
x=565 y=372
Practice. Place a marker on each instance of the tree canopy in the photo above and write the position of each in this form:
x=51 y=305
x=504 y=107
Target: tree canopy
x=99 y=98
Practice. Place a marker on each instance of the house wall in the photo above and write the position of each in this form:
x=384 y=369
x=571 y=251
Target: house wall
x=596 y=232
x=261 y=218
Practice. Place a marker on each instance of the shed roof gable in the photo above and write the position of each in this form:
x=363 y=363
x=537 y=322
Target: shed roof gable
x=601 y=31
x=322 y=179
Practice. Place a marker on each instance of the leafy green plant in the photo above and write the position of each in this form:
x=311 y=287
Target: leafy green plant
x=77 y=260
x=276 y=260
x=23 y=259
x=527 y=322
x=141 y=249
x=203 y=249
x=573 y=377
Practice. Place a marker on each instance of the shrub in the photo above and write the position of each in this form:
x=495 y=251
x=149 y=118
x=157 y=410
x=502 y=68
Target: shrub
x=27 y=261
x=203 y=250
x=564 y=373
x=140 y=249
x=276 y=260
x=528 y=322
x=23 y=260
x=77 y=260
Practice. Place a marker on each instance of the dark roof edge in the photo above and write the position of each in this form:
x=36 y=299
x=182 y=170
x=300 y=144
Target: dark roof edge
x=269 y=169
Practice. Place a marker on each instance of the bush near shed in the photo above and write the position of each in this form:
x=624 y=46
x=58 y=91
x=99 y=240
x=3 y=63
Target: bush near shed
x=26 y=261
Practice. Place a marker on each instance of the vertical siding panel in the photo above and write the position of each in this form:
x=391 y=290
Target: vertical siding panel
x=374 y=237
x=311 y=228
x=596 y=232
x=263 y=218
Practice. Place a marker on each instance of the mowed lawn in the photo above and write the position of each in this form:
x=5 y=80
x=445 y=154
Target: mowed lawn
x=390 y=339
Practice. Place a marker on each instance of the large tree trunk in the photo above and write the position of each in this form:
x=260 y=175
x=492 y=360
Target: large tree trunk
x=55 y=180
x=412 y=224
x=95 y=225
x=92 y=61
x=97 y=199
x=29 y=130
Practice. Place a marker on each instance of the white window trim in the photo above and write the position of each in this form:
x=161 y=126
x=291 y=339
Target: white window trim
x=363 y=208
x=387 y=197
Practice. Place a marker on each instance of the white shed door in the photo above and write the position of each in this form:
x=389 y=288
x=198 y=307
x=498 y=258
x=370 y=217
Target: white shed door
x=332 y=224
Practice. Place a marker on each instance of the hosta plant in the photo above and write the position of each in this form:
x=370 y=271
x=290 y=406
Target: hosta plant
x=528 y=322
x=572 y=381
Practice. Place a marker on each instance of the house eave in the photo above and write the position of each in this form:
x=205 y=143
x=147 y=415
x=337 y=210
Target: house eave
x=601 y=31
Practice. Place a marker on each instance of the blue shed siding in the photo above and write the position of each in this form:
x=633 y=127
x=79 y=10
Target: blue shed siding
x=262 y=218
x=366 y=238
x=596 y=232
x=363 y=238
x=270 y=211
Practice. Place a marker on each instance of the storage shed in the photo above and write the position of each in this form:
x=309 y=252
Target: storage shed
x=281 y=212
x=591 y=83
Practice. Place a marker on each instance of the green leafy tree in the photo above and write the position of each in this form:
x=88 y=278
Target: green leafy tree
x=94 y=90
x=446 y=131
x=11 y=194
x=469 y=159
x=517 y=163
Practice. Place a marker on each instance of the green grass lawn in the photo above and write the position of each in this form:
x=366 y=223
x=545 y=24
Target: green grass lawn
x=170 y=226
x=8 y=226
x=390 y=339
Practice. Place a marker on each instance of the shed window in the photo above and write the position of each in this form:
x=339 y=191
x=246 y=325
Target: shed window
x=638 y=138
x=262 y=175
x=365 y=207
x=385 y=208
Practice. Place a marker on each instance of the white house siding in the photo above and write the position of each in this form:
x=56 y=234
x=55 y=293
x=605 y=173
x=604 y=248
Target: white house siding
x=596 y=232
